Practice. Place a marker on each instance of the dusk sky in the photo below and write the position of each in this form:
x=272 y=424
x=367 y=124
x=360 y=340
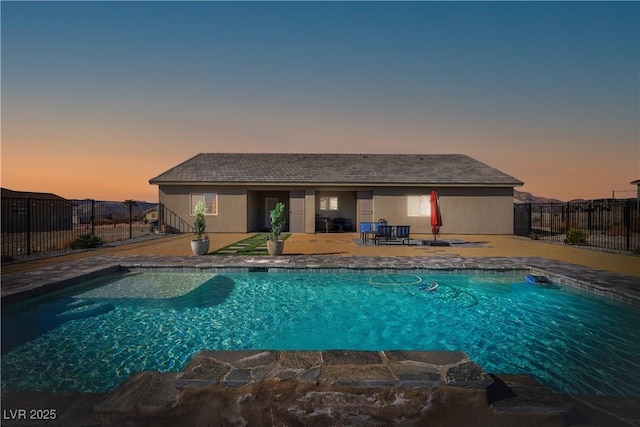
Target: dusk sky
x=99 y=97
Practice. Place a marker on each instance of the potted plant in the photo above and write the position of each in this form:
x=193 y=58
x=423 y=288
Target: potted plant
x=275 y=246
x=200 y=245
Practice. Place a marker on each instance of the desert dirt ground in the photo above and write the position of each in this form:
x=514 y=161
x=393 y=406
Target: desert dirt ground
x=345 y=244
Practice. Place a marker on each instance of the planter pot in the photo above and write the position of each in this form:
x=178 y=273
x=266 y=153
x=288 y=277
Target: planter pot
x=200 y=247
x=275 y=247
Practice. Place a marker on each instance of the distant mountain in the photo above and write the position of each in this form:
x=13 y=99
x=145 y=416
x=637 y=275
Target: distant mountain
x=84 y=210
x=112 y=208
x=524 y=197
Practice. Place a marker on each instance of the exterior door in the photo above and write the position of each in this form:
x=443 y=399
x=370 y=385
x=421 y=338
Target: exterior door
x=365 y=206
x=269 y=204
x=296 y=211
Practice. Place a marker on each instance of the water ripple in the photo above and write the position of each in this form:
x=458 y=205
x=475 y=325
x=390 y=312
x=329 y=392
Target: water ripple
x=570 y=342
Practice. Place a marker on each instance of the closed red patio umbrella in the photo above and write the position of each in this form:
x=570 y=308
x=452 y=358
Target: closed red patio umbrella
x=436 y=217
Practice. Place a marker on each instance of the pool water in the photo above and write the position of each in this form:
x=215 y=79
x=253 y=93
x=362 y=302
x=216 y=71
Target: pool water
x=91 y=338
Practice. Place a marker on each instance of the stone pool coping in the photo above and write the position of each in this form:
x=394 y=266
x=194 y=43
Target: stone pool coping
x=149 y=393
x=431 y=369
x=617 y=287
x=320 y=388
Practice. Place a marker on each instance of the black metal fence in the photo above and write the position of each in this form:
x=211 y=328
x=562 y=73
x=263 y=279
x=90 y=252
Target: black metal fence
x=31 y=226
x=607 y=223
x=43 y=225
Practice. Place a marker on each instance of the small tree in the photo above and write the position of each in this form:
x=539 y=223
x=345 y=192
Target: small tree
x=277 y=221
x=199 y=224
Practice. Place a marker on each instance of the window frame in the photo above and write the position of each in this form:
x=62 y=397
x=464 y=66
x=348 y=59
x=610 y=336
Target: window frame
x=196 y=197
x=327 y=206
x=424 y=201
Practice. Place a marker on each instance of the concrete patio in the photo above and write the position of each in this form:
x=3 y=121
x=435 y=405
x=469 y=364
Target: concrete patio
x=614 y=275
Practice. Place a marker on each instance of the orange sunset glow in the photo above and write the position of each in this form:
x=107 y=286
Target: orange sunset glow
x=94 y=109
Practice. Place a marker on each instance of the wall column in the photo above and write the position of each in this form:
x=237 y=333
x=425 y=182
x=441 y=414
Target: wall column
x=310 y=211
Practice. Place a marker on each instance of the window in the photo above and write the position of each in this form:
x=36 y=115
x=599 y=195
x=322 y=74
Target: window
x=418 y=205
x=328 y=203
x=210 y=203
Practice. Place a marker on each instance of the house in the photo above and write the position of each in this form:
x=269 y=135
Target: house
x=105 y=212
x=239 y=190
x=151 y=215
x=24 y=211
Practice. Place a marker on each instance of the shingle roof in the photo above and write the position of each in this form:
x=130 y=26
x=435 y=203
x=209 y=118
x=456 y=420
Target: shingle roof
x=12 y=194
x=372 y=169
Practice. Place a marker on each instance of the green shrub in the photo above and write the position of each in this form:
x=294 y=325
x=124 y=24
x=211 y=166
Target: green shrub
x=199 y=224
x=278 y=221
x=576 y=236
x=86 y=241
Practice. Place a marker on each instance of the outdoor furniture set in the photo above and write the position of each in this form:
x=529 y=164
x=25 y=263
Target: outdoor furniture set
x=339 y=225
x=383 y=232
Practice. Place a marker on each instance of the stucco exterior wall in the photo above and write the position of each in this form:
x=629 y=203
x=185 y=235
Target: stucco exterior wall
x=391 y=204
x=232 y=206
x=477 y=210
x=464 y=210
x=253 y=205
x=477 y=215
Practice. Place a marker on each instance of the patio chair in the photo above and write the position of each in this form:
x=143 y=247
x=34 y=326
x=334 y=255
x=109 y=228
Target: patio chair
x=342 y=225
x=366 y=229
x=322 y=225
x=383 y=232
x=402 y=232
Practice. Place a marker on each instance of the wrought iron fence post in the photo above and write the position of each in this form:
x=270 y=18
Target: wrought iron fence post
x=627 y=223
x=93 y=215
x=28 y=212
x=160 y=216
x=130 y=203
x=130 y=222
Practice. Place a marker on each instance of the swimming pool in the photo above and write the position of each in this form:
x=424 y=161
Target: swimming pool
x=92 y=337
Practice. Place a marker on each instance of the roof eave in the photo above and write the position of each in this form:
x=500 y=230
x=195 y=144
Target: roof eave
x=341 y=184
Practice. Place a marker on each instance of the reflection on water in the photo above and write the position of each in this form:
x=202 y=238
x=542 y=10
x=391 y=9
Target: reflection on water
x=94 y=339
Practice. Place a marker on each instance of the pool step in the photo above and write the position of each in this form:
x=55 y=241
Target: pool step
x=85 y=311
